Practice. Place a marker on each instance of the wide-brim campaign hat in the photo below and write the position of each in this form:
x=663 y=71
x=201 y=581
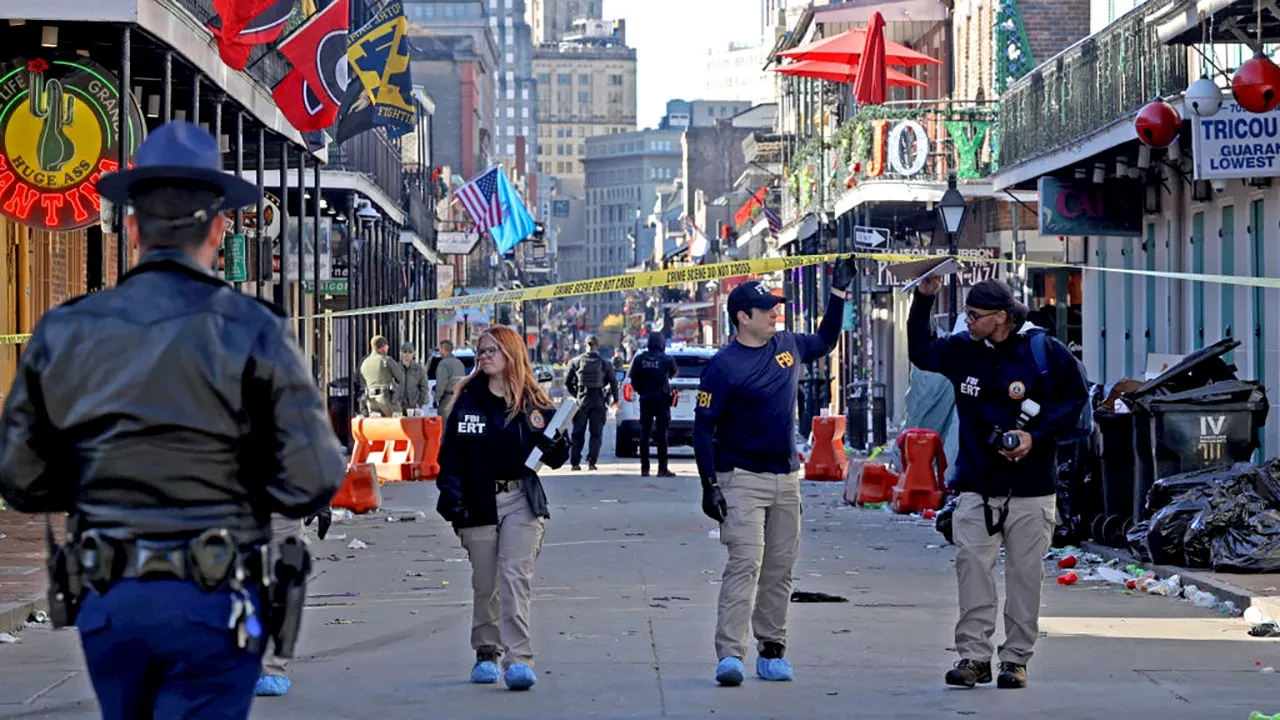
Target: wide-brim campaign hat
x=179 y=150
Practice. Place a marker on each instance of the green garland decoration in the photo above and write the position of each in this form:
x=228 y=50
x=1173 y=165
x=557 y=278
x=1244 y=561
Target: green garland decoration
x=1013 y=49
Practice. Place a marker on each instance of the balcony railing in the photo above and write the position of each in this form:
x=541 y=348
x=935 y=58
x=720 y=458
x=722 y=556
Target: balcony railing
x=1089 y=85
x=912 y=141
x=373 y=155
x=266 y=65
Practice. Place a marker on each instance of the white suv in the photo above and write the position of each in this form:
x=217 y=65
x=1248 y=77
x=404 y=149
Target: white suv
x=690 y=359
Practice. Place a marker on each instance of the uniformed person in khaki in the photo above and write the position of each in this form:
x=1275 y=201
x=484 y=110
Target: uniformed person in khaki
x=415 y=391
x=382 y=376
x=449 y=372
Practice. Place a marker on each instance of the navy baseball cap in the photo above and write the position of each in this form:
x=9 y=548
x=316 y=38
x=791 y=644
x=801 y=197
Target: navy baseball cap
x=750 y=295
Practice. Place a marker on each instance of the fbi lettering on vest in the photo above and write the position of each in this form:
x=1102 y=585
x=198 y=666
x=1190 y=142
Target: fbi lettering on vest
x=471 y=425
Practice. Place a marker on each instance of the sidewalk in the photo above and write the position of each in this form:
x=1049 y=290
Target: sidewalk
x=22 y=569
x=1245 y=590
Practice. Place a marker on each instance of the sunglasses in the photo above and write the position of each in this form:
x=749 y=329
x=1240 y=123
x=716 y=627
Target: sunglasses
x=975 y=316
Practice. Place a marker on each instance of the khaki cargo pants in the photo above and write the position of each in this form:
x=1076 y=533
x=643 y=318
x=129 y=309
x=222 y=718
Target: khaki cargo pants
x=502 y=559
x=762 y=534
x=281 y=528
x=1028 y=530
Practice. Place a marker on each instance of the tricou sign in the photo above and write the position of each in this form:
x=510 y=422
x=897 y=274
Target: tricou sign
x=1236 y=143
x=58 y=134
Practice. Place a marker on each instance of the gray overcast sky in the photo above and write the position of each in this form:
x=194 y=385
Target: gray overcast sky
x=671 y=38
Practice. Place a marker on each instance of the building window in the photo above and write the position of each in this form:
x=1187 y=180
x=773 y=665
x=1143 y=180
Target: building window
x=559 y=132
x=564 y=79
x=568 y=132
x=524 y=112
x=524 y=93
x=584 y=79
x=511 y=148
x=582 y=149
x=584 y=96
x=615 y=80
x=543 y=78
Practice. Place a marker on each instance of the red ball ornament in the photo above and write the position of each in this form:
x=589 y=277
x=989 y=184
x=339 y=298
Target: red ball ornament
x=1256 y=85
x=1158 y=124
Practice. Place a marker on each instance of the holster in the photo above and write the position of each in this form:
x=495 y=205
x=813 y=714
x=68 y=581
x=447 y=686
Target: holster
x=288 y=594
x=66 y=581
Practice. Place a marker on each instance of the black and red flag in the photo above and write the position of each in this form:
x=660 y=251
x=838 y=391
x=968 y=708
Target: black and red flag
x=238 y=25
x=311 y=93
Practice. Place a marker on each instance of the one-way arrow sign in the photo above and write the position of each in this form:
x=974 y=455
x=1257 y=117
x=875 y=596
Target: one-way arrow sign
x=869 y=236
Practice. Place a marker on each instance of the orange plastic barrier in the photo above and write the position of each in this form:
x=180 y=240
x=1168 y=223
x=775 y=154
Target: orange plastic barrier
x=360 y=491
x=877 y=486
x=827 y=461
x=922 y=486
x=401 y=449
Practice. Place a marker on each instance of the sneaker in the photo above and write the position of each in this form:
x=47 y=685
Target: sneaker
x=592 y=466
x=520 y=677
x=666 y=473
x=771 y=665
x=577 y=467
x=272 y=686
x=1012 y=676
x=730 y=672
x=968 y=673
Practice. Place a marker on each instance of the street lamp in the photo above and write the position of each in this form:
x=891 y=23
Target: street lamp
x=951 y=211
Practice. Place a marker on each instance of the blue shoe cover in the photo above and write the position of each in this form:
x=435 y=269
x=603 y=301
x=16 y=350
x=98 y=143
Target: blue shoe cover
x=272 y=686
x=776 y=669
x=485 y=672
x=730 y=671
x=520 y=677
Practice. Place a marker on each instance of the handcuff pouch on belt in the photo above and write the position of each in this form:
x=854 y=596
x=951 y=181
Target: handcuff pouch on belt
x=66 y=582
x=995 y=526
x=287 y=594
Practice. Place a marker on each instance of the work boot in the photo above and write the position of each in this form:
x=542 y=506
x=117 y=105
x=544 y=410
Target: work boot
x=730 y=672
x=485 y=671
x=644 y=472
x=1012 y=676
x=968 y=673
x=771 y=665
x=592 y=466
x=665 y=473
x=577 y=467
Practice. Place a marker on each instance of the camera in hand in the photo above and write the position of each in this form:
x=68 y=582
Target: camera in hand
x=1002 y=440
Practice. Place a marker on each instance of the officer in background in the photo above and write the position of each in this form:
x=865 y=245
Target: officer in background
x=171 y=416
x=382 y=376
x=592 y=381
x=744 y=439
x=651 y=373
x=1006 y=469
x=416 y=391
x=449 y=372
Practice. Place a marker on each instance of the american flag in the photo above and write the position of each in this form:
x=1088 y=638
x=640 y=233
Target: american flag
x=775 y=222
x=480 y=198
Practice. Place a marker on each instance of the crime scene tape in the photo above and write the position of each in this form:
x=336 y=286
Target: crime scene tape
x=14 y=339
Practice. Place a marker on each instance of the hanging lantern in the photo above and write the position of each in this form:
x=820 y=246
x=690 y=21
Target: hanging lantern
x=1256 y=85
x=1204 y=97
x=1158 y=124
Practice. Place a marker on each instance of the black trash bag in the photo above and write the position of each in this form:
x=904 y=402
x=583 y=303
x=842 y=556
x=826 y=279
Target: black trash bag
x=1197 y=542
x=943 y=521
x=1169 y=526
x=1268 y=482
x=1164 y=490
x=1137 y=537
x=1253 y=547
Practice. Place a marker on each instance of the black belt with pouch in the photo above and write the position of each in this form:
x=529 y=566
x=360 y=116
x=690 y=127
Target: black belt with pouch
x=501 y=486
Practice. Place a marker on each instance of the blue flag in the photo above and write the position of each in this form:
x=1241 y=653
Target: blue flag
x=516 y=223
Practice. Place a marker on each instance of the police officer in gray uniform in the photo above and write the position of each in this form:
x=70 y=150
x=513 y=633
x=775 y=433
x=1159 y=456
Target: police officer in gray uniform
x=382 y=376
x=592 y=381
x=415 y=391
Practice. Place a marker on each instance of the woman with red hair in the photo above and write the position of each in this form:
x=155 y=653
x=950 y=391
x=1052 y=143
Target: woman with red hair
x=495 y=503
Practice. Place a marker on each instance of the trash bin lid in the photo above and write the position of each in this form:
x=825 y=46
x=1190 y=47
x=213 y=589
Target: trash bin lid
x=1195 y=370
x=1227 y=392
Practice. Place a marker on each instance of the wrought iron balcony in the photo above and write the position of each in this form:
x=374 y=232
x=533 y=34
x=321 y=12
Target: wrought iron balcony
x=266 y=65
x=373 y=155
x=1089 y=85
x=908 y=141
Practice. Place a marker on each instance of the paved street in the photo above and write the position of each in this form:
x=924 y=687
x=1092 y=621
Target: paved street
x=624 y=611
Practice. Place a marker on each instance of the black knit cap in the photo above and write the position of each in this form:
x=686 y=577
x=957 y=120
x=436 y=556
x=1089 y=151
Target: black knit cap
x=995 y=295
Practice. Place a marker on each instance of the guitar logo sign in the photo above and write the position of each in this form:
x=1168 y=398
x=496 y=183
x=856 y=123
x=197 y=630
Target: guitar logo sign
x=58 y=135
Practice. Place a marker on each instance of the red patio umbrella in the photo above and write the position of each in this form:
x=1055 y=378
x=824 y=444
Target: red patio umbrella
x=870 y=86
x=847 y=47
x=835 y=72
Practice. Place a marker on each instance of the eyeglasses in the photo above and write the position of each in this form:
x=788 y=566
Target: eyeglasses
x=486 y=351
x=975 y=316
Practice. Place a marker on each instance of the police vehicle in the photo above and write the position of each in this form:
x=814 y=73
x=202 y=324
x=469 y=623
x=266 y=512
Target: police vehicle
x=691 y=359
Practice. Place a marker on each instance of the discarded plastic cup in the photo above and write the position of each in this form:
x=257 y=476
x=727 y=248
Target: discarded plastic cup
x=1069 y=578
x=1067 y=562
x=929 y=514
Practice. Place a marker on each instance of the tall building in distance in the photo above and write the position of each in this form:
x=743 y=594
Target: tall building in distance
x=515 y=92
x=586 y=87
x=736 y=73
x=551 y=20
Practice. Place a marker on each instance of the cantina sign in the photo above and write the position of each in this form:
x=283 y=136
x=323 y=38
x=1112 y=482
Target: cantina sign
x=58 y=135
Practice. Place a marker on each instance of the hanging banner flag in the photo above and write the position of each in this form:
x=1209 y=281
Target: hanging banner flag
x=262 y=29
x=379 y=56
x=310 y=94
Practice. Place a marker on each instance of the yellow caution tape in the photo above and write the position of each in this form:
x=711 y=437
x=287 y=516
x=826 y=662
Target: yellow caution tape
x=14 y=339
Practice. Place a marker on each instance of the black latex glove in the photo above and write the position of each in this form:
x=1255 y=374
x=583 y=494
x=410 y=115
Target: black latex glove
x=325 y=518
x=555 y=451
x=842 y=274
x=713 y=504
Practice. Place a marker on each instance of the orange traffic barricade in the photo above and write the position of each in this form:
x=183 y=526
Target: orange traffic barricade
x=401 y=449
x=924 y=467
x=827 y=461
x=877 y=484
x=360 y=492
